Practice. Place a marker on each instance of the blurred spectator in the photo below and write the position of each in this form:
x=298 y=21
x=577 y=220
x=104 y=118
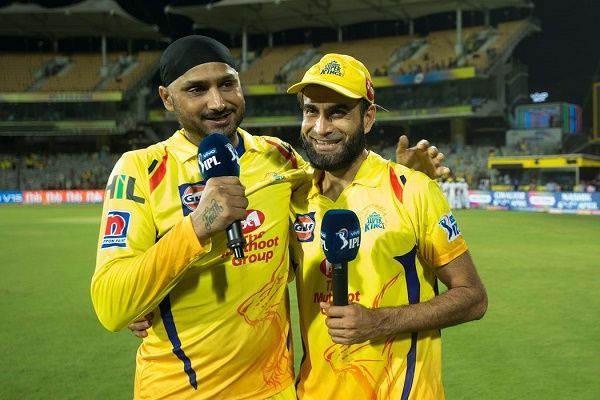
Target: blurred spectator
x=552 y=186
x=532 y=185
x=57 y=171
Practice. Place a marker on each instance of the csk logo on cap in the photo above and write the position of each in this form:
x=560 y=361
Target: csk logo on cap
x=332 y=68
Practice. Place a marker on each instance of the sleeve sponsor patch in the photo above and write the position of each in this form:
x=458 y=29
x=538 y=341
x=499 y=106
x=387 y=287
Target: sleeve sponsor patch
x=448 y=223
x=190 y=194
x=304 y=226
x=123 y=187
x=115 y=233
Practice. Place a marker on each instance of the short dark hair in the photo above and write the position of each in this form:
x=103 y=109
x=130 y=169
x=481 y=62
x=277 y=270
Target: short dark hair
x=364 y=106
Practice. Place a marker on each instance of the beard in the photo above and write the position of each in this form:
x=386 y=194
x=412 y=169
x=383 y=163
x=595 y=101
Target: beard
x=341 y=160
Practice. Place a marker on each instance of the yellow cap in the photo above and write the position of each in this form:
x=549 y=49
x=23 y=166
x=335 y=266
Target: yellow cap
x=341 y=73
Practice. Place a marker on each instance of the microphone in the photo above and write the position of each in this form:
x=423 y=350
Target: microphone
x=340 y=240
x=217 y=157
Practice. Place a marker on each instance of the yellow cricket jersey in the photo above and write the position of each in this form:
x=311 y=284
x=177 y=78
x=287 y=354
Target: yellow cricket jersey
x=221 y=326
x=407 y=230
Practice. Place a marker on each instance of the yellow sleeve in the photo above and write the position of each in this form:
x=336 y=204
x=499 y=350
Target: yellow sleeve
x=135 y=269
x=439 y=238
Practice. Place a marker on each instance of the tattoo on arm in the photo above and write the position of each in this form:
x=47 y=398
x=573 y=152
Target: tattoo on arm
x=210 y=214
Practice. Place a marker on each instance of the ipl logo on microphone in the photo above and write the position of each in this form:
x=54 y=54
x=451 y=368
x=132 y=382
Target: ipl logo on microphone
x=234 y=154
x=208 y=160
x=347 y=239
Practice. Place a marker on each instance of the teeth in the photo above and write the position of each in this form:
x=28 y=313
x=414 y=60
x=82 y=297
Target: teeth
x=323 y=142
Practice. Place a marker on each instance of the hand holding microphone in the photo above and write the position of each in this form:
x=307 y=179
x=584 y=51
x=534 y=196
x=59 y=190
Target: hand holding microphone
x=340 y=239
x=223 y=202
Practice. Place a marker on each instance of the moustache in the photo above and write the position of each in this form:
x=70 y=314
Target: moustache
x=215 y=115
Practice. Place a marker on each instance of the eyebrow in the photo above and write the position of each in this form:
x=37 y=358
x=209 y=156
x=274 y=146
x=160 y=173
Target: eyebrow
x=334 y=106
x=206 y=82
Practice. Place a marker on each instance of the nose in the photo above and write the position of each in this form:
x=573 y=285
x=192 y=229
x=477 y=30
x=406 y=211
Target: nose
x=215 y=100
x=323 y=125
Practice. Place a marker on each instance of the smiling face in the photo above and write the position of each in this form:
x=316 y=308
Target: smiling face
x=207 y=98
x=333 y=127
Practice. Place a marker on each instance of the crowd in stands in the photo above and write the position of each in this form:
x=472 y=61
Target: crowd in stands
x=267 y=106
x=394 y=55
x=55 y=171
x=58 y=111
x=394 y=98
x=90 y=171
x=51 y=72
x=469 y=163
x=52 y=68
x=588 y=186
x=398 y=55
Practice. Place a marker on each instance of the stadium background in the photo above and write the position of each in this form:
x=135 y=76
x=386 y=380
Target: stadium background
x=67 y=111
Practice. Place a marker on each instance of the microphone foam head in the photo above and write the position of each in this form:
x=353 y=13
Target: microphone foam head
x=340 y=236
x=217 y=157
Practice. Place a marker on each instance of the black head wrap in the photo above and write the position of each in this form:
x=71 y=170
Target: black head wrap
x=187 y=52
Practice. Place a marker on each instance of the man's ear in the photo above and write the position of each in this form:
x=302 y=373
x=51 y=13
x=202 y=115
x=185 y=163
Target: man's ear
x=166 y=98
x=369 y=118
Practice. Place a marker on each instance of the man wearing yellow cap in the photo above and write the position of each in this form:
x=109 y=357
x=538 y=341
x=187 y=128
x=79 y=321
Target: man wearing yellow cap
x=386 y=343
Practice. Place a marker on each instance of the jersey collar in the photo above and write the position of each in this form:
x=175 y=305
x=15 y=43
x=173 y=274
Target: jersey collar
x=369 y=174
x=184 y=150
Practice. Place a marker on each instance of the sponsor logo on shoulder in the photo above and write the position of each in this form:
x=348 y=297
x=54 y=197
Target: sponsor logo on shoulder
x=448 y=223
x=374 y=221
x=304 y=226
x=190 y=194
x=115 y=233
x=123 y=187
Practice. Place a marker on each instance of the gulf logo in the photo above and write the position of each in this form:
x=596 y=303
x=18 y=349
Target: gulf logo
x=254 y=219
x=115 y=232
x=190 y=194
x=326 y=268
x=304 y=226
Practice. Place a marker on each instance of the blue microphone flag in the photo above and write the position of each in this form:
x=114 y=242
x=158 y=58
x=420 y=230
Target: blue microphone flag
x=340 y=235
x=217 y=157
